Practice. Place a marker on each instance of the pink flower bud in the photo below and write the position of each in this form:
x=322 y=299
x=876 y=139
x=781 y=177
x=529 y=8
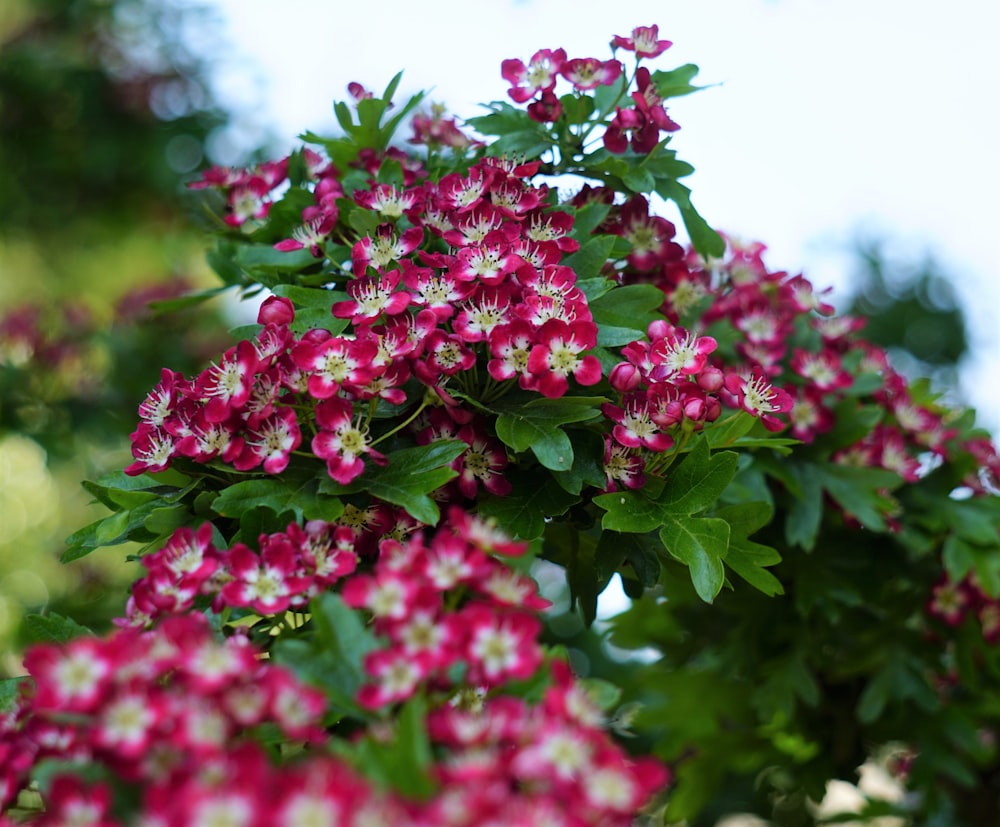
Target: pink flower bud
x=695 y=409
x=276 y=310
x=625 y=377
x=710 y=379
x=659 y=329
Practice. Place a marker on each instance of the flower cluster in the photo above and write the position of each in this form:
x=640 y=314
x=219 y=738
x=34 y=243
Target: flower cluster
x=953 y=602
x=499 y=761
x=249 y=192
x=451 y=335
x=500 y=293
x=536 y=81
x=169 y=708
x=146 y=703
x=289 y=569
x=639 y=125
x=413 y=596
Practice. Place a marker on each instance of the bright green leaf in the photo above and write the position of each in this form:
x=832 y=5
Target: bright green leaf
x=51 y=628
x=676 y=82
x=588 y=262
x=587 y=219
x=408 y=477
x=700 y=543
x=10 y=690
x=697 y=483
x=279 y=495
x=639 y=180
x=535 y=425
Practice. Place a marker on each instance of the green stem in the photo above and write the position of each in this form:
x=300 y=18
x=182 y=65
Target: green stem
x=401 y=425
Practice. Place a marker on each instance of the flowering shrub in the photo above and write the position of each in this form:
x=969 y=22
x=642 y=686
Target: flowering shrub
x=465 y=366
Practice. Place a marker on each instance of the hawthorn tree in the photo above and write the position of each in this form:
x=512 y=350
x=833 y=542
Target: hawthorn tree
x=465 y=372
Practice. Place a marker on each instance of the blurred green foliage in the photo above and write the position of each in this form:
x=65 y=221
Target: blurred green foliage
x=910 y=309
x=105 y=106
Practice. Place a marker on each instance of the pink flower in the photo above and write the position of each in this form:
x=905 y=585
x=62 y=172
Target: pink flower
x=335 y=362
x=384 y=249
x=644 y=42
x=226 y=387
x=588 y=72
x=153 y=448
x=634 y=425
x=538 y=76
x=270 y=442
x=482 y=464
x=276 y=310
x=501 y=645
x=622 y=465
x=340 y=442
x=371 y=298
x=312 y=233
x=761 y=399
x=266 y=582
x=557 y=356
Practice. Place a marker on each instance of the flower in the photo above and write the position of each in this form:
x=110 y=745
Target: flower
x=340 y=442
x=644 y=42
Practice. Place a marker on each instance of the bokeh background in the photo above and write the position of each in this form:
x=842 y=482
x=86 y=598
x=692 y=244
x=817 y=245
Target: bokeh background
x=853 y=138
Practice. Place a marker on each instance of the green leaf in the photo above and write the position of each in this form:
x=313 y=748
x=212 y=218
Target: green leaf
x=724 y=432
x=523 y=512
x=187 y=300
x=640 y=551
x=333 y=659
x=589 y=260
x=698 y=482
x=806 y=511
x=577 y=109
x=120 y=491
x=341 y=631
x=676 y=82
x=901 y=677
x=631 y=307
x=283 y=494
x=639 y=180
x=858 y=491
x=408 y=477
x=588 y=218
x=701 y=543
x=535 y=425
x=502 y=119
x=10 y=690
x=122 y=527
x=667 y=165
x=51 y=628
x=749 y=560
x=576 y=552
x=788 y=678
x=594 y=288
x=165 y=519
x=705 y=240
x=312 y=307
x=630 y=512
x=695 y=485
x=402 y=761
x=262 y=260
x=588 y=463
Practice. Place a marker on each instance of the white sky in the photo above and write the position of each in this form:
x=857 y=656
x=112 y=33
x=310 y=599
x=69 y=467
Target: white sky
x=832 y=117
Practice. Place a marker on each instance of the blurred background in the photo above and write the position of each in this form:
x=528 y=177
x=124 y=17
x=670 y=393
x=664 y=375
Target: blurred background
x=852 y=138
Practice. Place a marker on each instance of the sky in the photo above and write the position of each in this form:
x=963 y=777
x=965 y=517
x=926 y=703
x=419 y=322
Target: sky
x=825 y=121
